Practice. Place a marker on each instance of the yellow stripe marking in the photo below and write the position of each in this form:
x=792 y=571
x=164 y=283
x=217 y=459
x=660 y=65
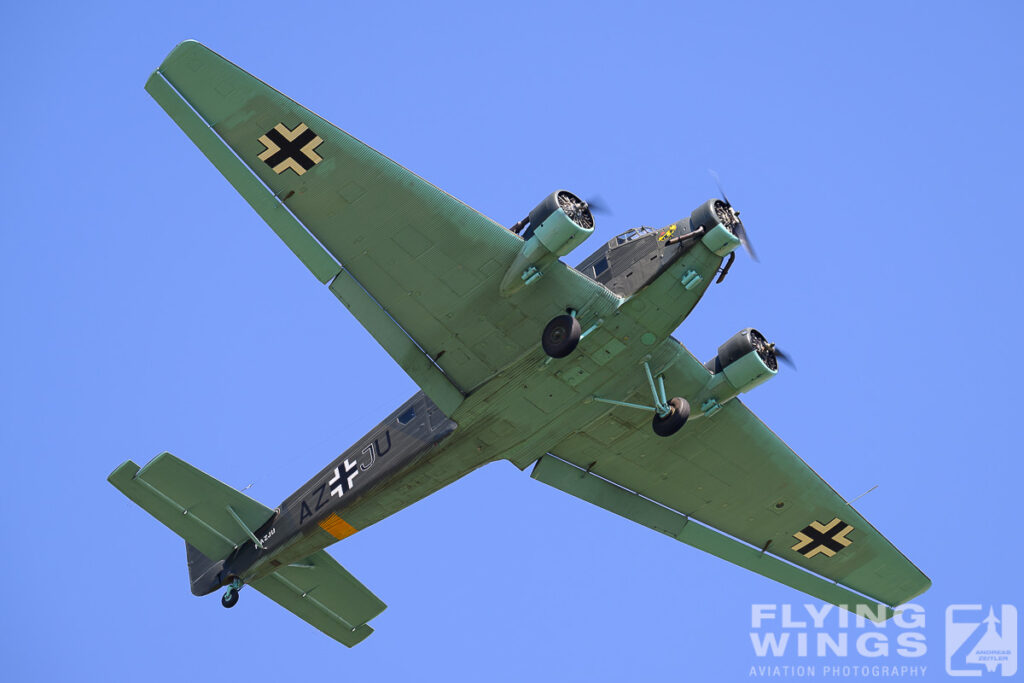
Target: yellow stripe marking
x=337 y=527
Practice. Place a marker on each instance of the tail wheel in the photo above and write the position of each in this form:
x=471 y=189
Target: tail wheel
x=561 y=336
x=230 y=598
x=679 y=412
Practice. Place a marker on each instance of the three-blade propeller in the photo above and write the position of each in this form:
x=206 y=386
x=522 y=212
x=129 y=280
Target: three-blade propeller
x=739 y=231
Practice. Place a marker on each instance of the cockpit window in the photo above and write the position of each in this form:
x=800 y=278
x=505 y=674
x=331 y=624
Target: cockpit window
x=633 y=233
x=407 y=417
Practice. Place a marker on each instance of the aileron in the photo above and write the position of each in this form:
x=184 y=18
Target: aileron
x=593 y=489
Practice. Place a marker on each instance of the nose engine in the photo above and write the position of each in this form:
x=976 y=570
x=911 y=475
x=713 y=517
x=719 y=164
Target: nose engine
x=720 y=212
x=714 y=212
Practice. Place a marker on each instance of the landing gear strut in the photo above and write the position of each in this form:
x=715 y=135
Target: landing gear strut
x=669 y=414
x=561 y=336
x=230 y=597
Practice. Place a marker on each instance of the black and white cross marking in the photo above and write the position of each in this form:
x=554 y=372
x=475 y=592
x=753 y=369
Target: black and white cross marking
x=294 y=149
x=827 y=539
x=342 y=481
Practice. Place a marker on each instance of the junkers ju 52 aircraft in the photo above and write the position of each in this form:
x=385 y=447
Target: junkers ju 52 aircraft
x=519 y=357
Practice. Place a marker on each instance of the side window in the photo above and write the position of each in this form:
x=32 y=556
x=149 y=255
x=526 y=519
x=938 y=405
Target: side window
x=407 y=417
x=600 y=266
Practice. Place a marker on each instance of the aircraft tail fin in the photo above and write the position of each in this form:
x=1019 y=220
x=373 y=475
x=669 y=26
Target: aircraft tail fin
x=203 y=573
x=215 y=519
x=205 y=512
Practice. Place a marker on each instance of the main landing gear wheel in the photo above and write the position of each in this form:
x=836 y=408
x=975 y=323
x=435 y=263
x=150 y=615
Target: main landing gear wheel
x=561 y=336
x=230 y=598
x=679 y=412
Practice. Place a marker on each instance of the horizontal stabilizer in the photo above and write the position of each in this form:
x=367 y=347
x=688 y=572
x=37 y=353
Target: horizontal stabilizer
x=320 y=591
x=191 y=503
x=621 y=501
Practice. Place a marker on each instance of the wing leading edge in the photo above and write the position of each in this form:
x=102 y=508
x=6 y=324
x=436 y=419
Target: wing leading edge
x=418 y=268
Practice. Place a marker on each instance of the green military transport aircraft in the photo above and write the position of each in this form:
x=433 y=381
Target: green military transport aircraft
x=519 y=357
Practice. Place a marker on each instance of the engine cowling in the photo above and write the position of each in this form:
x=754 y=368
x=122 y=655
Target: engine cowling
x=714 y=212
x=555 y=227
x=746 y=360
x=743 y=362
x=560 y=222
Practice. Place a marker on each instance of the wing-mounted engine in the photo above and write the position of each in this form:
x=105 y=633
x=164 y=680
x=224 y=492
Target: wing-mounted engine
x=745 y=361
x=554 y=228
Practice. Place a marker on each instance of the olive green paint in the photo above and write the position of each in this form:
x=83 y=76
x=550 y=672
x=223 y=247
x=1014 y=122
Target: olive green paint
x=628 y=504
x=423 y=273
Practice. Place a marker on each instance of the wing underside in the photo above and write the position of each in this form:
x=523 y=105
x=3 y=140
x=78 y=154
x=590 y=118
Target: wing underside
x=728 y=485
x=418 y=268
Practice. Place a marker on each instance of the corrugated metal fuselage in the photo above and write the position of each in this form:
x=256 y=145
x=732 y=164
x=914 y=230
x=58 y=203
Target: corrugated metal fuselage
x=517 y=415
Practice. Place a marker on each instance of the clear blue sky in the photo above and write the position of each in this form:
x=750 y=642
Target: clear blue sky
x=875 y=151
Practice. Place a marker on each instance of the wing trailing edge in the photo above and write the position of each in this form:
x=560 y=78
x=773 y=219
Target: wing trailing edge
x=614 y=498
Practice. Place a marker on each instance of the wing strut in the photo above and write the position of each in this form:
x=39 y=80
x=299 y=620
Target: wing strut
x=245 y=528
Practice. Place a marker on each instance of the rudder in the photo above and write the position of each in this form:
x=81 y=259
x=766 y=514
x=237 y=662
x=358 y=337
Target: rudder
x=203 y=573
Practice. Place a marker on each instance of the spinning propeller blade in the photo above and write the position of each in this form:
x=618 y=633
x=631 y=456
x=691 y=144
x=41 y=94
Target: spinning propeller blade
x=598 y=205
x=740 y=231
x=784 y=357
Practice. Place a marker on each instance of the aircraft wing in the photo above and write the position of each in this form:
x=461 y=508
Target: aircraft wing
x=419 y=269
x=321 y=592
x=728 y=485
